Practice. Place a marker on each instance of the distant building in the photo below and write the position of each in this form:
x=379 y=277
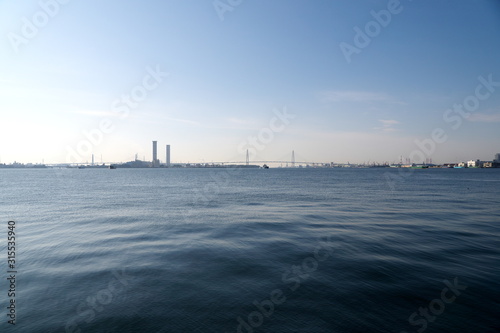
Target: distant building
x=168 y=156
x=474 y=164
x=489 y=164
x=155 y=162
x=493 y=164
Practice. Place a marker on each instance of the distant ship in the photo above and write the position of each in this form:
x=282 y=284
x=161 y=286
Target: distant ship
x=265 y=166
x=112 y=166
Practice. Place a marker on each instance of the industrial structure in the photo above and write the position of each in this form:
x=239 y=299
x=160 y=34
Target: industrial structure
x=168 y=156
x=155 y=162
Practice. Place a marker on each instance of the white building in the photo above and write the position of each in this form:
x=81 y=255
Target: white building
x=474 y=164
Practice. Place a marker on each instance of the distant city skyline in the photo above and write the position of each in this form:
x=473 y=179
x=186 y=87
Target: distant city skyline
x=337 y=81
x=157 y=160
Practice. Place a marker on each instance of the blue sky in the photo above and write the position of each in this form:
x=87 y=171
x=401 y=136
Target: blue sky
x=222 y=81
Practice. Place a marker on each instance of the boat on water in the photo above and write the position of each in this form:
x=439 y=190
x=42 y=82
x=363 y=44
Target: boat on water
x=265 y=166
x=420 y=166
x=112 y=166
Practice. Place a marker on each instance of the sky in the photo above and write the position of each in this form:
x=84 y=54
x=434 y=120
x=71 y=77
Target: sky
x=333 y=81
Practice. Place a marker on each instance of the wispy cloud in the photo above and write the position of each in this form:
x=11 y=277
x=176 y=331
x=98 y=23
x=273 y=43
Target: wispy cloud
x=241 y=121
x=155 y=118
x=96 y=113
x=388 y=122
x=387 y=125
x=185 y=121
x=484 y=117
x=357 y=96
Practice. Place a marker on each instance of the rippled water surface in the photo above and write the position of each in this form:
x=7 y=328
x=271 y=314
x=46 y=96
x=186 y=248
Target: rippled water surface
x=252 y=250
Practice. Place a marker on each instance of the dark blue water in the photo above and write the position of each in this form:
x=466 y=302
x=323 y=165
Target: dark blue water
x=252 y=250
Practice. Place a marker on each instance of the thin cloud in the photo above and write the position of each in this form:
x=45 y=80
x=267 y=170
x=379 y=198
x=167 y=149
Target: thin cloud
x=96 y=113
x=388 y=122
x=185 y=121
x=241 y=121
x=484 y=117
x=387 y=125
x=357 y=96
x=154 y=117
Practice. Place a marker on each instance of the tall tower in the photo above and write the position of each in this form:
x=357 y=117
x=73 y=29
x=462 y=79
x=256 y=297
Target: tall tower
x=168 y=156
x=293 y=158
x=155 y=155
x=497 y=158
x=247 y=162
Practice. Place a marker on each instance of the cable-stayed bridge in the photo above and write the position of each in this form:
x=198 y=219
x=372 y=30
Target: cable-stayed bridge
x=292 y=162
x=287 y=162
x=247 y=161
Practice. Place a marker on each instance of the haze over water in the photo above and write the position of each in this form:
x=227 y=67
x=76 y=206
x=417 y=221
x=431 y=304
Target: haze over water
x=191 y=250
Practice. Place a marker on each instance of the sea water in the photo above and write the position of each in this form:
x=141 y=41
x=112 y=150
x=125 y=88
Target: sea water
x=251 y=250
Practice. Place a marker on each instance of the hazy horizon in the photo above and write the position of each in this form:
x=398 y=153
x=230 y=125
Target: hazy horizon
x=335 y=81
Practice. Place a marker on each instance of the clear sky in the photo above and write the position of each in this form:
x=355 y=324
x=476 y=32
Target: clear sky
x=353 y=81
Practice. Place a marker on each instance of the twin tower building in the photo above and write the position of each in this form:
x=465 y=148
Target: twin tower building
x=156 y=161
